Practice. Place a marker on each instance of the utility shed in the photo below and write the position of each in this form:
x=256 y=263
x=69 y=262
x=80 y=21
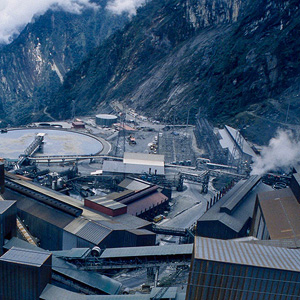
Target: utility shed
x=276 y=215
x=8 y=226
x=236 y=270
x=24 y=273
x=231 y=216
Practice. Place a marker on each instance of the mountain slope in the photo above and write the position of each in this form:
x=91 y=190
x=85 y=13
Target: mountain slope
x=34 y=65
x=124 y=62
x=225 y=56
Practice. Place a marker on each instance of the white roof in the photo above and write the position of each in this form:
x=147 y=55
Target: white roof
x=246 y=147
x=144 y=159
x=228 y=136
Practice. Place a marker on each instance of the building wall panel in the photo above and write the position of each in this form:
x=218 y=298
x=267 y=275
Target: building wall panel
x=217 y=280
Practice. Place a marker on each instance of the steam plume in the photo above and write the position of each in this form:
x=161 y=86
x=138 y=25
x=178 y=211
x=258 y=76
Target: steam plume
x=16 y=14
x=282 y=152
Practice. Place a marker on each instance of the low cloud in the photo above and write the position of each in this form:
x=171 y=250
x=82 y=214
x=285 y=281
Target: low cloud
x=282 y=152
x=124 y=6
x=16 y=14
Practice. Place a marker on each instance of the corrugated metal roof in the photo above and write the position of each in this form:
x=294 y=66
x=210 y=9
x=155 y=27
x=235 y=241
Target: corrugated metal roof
x=246 y=147
x=76 y=225
x=72 y=253
x=284 y=243
x=52 y=292
x=93 y=232
x=147 y=251
x=4 y=205
x=247 y=254
x=236 y=220
x=109 y=203
x=170 y=293
x=234 y=199
x=131 y=222
x=91 y=279
x=42 y=211
x=134 y=184
x=281 y=212
x=25 y=256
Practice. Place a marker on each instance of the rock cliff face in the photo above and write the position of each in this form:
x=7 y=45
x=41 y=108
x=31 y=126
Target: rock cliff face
x=145 y=64
x=224 y=57
x=34 y=65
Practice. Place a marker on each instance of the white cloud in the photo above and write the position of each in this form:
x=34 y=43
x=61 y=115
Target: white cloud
x=282 y=152
x=15 y=14
x=124 y=6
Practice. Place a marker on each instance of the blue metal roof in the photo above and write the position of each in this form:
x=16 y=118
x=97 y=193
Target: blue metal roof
x=93 y=232
x=4 y=205
x=230 y=251
x=25 y=256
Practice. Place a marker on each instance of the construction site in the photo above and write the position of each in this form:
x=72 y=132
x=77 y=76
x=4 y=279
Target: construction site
x=117 y=200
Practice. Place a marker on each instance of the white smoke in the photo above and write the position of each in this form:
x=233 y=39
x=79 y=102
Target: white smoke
x=282 y=152
x=124 y=6
x=16 y=14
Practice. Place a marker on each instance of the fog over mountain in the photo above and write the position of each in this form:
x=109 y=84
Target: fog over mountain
x=16 y=14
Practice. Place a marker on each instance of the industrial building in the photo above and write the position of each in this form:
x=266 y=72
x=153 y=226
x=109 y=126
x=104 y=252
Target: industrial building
x=8 y=227
x=136 y=163
x=106 y=119
x=61 y=222
x=139 y=198
x=207 y=139
x=68 y=275
x=24 y=273
x=230 y=216
x=91 y=284
x=78 y=124
x=236 y=270
x=238 y=148
x=277 y=213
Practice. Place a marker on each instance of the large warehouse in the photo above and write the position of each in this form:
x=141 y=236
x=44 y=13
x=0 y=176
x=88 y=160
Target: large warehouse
x=230 y=217
x=277 y=213
x=62 y=222
x=235 y=270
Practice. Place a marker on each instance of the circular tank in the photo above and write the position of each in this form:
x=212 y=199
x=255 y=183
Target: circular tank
x=56 y=142
x=106 y=120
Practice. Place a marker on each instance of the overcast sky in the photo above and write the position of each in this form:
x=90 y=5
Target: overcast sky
x=15 y=14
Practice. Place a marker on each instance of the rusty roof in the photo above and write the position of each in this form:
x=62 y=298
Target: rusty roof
x=281 y=212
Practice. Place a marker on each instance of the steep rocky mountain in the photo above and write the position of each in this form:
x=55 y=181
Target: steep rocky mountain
x=34 y=65
x=237 y=60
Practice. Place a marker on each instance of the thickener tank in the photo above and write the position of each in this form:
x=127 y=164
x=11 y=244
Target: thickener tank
x=106 y=120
